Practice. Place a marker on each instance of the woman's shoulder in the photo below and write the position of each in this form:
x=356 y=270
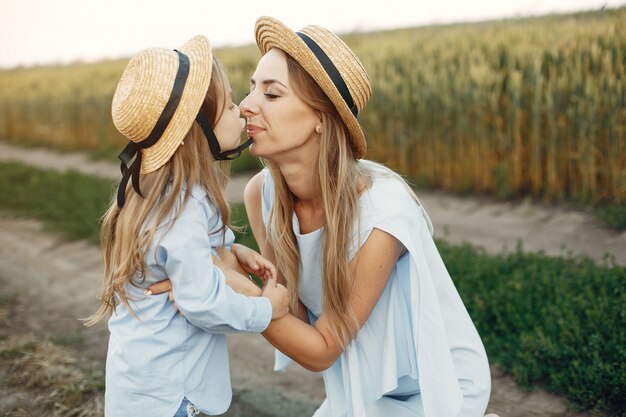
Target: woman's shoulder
x=387 y=190
x=265 y=183
x=389 y=196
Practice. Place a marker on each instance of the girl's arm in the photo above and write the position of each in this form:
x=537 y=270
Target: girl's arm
x=236 y=277
x=314 y=347
x=199 y=288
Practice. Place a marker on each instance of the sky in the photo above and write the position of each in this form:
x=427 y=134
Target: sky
x=39 y=32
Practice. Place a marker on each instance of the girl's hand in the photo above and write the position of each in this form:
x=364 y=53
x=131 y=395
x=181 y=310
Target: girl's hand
x=253 y=263
x=278 y=296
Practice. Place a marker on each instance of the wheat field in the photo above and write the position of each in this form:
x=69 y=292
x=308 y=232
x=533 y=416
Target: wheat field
x=516 y=107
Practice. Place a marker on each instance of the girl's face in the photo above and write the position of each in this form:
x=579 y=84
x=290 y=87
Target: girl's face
x=230 y=124
x=278 y=120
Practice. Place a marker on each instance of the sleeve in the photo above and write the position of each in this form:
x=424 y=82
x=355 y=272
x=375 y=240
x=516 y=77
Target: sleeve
x=199 y=287
x=432 y=296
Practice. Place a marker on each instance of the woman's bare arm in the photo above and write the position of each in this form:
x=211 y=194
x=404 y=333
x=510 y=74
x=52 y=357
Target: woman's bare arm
x=315 y=347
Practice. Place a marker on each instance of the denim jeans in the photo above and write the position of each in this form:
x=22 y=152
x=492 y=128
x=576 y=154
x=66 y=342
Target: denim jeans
x=187 y=409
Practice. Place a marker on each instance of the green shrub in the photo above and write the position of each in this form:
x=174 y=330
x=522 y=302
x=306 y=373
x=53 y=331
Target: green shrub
x=557 y=322
x=613 y=216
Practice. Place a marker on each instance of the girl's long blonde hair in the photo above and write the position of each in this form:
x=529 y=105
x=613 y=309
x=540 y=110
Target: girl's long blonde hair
x=126 y=234
x=340 y=179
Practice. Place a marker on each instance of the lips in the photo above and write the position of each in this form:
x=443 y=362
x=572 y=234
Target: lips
x=254 y=130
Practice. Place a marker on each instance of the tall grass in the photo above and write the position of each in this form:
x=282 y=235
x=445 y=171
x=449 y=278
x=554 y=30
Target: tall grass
x=517 y=107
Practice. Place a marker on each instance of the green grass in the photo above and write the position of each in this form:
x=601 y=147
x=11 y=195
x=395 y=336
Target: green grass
x=66 y=202
x=556 y=322
x=613 y=216
x=69 y=202
x=70 y=339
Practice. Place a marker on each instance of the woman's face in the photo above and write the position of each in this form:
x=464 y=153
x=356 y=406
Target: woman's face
x=279 y=121
x=230 y=124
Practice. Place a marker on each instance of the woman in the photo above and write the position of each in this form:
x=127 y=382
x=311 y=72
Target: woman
x=372 y=303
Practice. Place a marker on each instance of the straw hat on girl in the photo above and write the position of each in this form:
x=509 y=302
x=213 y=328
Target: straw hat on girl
x=156 y=102
x=330 y=62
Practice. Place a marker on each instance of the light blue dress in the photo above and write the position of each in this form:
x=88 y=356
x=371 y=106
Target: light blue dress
x=418 y=354
x=156 y=361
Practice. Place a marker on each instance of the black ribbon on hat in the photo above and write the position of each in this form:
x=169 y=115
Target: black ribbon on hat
x=133 y=149
x=331 y=70
x=214 y=144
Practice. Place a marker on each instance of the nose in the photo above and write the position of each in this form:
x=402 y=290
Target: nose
x=247 y=107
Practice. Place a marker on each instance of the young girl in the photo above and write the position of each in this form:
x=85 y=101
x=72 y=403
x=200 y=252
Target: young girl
x=175 y=106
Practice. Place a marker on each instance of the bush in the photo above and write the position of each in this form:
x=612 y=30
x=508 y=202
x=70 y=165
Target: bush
x=557 y=322
x=613 y=216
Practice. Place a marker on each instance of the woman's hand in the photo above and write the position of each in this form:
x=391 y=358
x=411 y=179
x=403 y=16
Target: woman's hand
x=225 y=259
x=236 y=277
x=253 y=263
x=161 y=287
x=241 y=284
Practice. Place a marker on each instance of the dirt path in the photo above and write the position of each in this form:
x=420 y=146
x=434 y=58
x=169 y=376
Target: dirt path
x=53 y=282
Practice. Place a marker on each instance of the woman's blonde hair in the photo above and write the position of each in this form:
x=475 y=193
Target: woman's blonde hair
x=340 y=179
x=126 y=234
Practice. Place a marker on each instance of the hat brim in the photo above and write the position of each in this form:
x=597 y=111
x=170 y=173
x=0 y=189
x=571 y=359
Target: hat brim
x=198 y=49
x=271 y=33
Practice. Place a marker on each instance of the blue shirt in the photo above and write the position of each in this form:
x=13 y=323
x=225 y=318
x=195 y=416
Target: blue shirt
x=154 y=362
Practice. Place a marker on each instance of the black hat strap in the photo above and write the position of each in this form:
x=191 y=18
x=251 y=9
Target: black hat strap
x=331 y=70
x=214 y=144
x=133 y=149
